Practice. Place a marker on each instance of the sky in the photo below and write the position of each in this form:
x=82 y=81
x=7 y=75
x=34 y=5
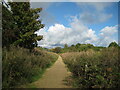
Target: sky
x=78 y=22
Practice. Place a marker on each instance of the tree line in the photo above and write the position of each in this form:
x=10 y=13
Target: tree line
x=81 y=47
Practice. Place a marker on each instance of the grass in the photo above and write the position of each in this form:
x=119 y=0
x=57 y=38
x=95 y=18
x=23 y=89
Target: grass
x=94 y=69
x=21 y=66
x=35 y=78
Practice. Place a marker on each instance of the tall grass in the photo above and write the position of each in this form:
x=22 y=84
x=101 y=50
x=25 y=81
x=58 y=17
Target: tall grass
x=19 y=66
x=94 y=69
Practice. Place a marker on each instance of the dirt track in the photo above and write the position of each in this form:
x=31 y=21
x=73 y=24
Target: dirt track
x=54 y=77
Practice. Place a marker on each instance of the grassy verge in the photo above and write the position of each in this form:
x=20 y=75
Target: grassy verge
x=21 y=66
x=94 y=69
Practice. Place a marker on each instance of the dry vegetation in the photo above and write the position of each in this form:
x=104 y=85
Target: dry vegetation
x=19 y=66
x=94 y=69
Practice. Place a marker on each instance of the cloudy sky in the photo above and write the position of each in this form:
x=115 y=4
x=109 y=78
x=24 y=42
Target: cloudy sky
x=78 y=22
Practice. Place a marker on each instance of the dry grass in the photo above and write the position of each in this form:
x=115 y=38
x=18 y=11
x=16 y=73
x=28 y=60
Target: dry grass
x=94 y=69
x=21 y=66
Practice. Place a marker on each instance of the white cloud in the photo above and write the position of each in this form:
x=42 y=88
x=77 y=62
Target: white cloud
x=109 y=31
x=91 y=18
x=60 y=35
x=94 y=12
x=107 y=35
x=55 y=35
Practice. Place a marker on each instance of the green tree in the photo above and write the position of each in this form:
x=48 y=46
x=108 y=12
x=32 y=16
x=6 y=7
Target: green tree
x=78 y=45
x=72 y=45
x=57 y=50
x=89 y=46
x=113 y=44
x=28 y=22
x=8 y=27
x=65 y=46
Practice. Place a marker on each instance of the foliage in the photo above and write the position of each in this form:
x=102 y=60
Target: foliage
x=79 y=47
x=57 y=50
x=65 y=46
x=113 y=44
x=94 y=69
x=20 y=24
x=28 y=22
x=21 y=66
x=8 y=27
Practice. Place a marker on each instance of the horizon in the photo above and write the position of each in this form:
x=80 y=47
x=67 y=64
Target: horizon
x=63 y=46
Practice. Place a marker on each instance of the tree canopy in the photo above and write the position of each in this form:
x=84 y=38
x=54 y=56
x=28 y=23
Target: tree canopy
x=113 y=44
x=8 y=27
x=21 y=22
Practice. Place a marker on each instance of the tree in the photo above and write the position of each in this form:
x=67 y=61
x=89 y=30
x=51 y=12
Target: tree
x=8 y=27
x=28 y=22
x=57 y=50
x=65 y=46
x=78 y=45
x=113 y=44
x=89 y=46
x=72 y=45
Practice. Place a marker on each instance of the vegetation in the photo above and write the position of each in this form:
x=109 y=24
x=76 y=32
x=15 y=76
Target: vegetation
x=56 y=50
x=21 y=61
x=94 y=69
x=21 y=66
x=76 y=48
x=20 y=24
x=8 y=28
x=113 y=44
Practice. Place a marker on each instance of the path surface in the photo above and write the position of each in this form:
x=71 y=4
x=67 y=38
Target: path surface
x=54 y=77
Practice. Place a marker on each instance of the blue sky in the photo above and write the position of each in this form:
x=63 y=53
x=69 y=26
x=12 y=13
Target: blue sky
x=77 y=22
x=65 y=9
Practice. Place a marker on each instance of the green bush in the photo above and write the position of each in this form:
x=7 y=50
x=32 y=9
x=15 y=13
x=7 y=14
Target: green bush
x=113 y=44
x=20 y=66
x=94 y=69
x=57 y=50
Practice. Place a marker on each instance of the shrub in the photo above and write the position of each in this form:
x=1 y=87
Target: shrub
x=113 y=44
x=20 y=65
x=92 y=69
x=57 y=50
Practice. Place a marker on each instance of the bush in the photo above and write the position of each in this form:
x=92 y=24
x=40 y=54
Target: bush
x=57 y=50
x=20 y=66
x=113 y=44
x=94 y=69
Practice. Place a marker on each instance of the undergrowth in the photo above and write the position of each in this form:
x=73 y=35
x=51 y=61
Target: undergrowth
x=92 y=69
x=20 y=66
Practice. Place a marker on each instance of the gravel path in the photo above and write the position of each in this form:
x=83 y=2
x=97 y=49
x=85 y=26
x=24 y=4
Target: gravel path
x=54 y=76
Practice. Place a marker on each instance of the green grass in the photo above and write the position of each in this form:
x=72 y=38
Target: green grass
x=21 y=66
